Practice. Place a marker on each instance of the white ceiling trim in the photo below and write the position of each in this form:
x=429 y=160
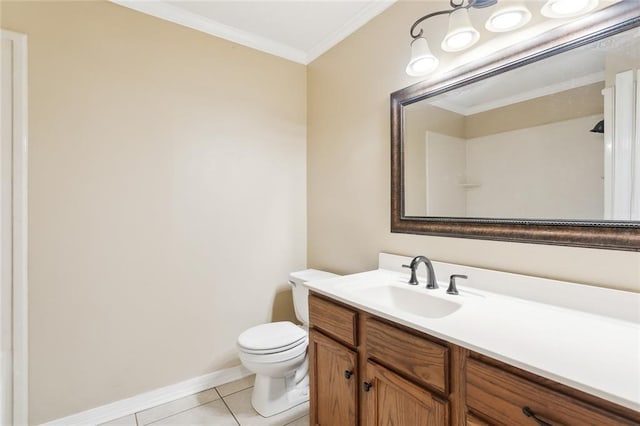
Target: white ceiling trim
x=192 y=20
x=373 y=9
x=451 y=105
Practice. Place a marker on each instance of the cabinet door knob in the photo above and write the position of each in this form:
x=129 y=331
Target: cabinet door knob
x=529 y=413
x=366 y=386
x=348 y=374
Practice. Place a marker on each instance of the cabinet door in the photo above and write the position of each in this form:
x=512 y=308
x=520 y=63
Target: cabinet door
x=334 y=381
x=392 y=400
x=474 y=421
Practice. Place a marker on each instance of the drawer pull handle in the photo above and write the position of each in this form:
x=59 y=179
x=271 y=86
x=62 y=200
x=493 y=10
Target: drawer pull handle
x=367 y=386
x=348 y=374
x=529 y=413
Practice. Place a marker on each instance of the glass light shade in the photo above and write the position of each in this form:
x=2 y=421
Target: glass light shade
x=567 y=8
x=508 y=19
x=422 y=60
x=461 y=34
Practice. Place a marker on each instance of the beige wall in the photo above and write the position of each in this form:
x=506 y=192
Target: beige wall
x=349 y=168
x=167 y=199
x=566 y=105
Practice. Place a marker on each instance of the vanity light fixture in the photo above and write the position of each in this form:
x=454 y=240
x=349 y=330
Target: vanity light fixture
x=461 y=34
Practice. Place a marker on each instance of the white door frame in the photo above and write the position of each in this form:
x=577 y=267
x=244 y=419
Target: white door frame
x=17 y=381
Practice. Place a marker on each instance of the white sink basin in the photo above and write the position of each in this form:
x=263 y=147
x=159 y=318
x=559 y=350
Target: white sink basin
x=416 y=301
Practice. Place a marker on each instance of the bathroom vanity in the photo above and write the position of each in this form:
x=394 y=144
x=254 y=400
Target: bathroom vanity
x=384 y=352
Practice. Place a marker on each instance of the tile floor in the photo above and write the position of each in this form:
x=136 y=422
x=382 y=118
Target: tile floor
x=228 y=404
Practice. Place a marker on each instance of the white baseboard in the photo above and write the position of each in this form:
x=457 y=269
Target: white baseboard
x=125 y=407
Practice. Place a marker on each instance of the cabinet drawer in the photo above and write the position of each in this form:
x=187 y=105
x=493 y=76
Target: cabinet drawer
x=502 y=396
x=334 y=320
x=406 y=353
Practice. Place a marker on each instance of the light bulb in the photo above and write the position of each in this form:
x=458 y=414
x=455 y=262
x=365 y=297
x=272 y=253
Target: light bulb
x=567 y=8
x=459 y=40
x=508 y=19
x=423 y=66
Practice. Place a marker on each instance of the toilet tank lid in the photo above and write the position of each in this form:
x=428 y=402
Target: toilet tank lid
x=309 y=275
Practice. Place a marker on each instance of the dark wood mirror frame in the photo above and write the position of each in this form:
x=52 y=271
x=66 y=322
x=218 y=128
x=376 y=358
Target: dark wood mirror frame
x=618 y=235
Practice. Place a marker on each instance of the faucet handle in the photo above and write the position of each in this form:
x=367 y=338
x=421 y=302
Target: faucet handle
x=414 y=279
x=452 y=283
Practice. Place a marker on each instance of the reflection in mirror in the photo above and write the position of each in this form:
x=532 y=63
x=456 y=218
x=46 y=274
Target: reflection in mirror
x=520 y=144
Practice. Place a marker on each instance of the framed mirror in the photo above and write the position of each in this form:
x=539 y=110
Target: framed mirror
x=538 y=143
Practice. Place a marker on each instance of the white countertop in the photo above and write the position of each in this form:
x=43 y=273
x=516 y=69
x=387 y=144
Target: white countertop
x=598 y=353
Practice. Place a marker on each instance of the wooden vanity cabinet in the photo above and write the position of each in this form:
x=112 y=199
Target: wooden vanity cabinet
x=360 y=371
x=369 y=371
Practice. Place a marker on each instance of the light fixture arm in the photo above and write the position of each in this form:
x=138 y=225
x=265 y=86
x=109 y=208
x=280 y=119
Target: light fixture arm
x=478 y=4
x=424 y=18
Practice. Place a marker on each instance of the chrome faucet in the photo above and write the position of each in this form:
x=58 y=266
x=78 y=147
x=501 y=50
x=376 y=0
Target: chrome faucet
x=432 y=282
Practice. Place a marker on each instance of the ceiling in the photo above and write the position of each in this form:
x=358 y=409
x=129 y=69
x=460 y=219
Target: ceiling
x=575 y=68
x=296 y=30
x=302 y=30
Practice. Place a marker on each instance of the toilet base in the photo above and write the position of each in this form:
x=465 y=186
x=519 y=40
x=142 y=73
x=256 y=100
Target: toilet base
x=274 y=395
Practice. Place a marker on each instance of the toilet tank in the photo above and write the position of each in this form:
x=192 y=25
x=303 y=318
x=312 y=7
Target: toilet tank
x=301 y=293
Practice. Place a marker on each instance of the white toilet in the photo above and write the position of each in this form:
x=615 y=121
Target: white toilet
x=277 y=353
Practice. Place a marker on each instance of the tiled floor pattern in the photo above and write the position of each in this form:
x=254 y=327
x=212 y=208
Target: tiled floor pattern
x=228 y=404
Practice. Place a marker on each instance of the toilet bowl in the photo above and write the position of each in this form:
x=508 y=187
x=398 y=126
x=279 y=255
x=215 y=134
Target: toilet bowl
x=277 y=353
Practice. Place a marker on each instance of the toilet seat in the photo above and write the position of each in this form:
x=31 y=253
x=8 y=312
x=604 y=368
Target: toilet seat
x=271 y=338
x=272 y=350
x=274 y=357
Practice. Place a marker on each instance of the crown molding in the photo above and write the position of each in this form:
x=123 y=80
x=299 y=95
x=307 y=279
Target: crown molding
x=373 y=9
x=183 y=17
x=197 y=22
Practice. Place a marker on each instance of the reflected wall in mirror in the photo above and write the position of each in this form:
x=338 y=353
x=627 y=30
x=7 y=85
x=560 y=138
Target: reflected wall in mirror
x=517 y=151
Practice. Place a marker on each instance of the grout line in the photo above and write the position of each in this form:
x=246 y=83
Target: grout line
x=228 y=408
x=297 y=418
x=215 y=388
x=183 y=411
x=234 y=392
